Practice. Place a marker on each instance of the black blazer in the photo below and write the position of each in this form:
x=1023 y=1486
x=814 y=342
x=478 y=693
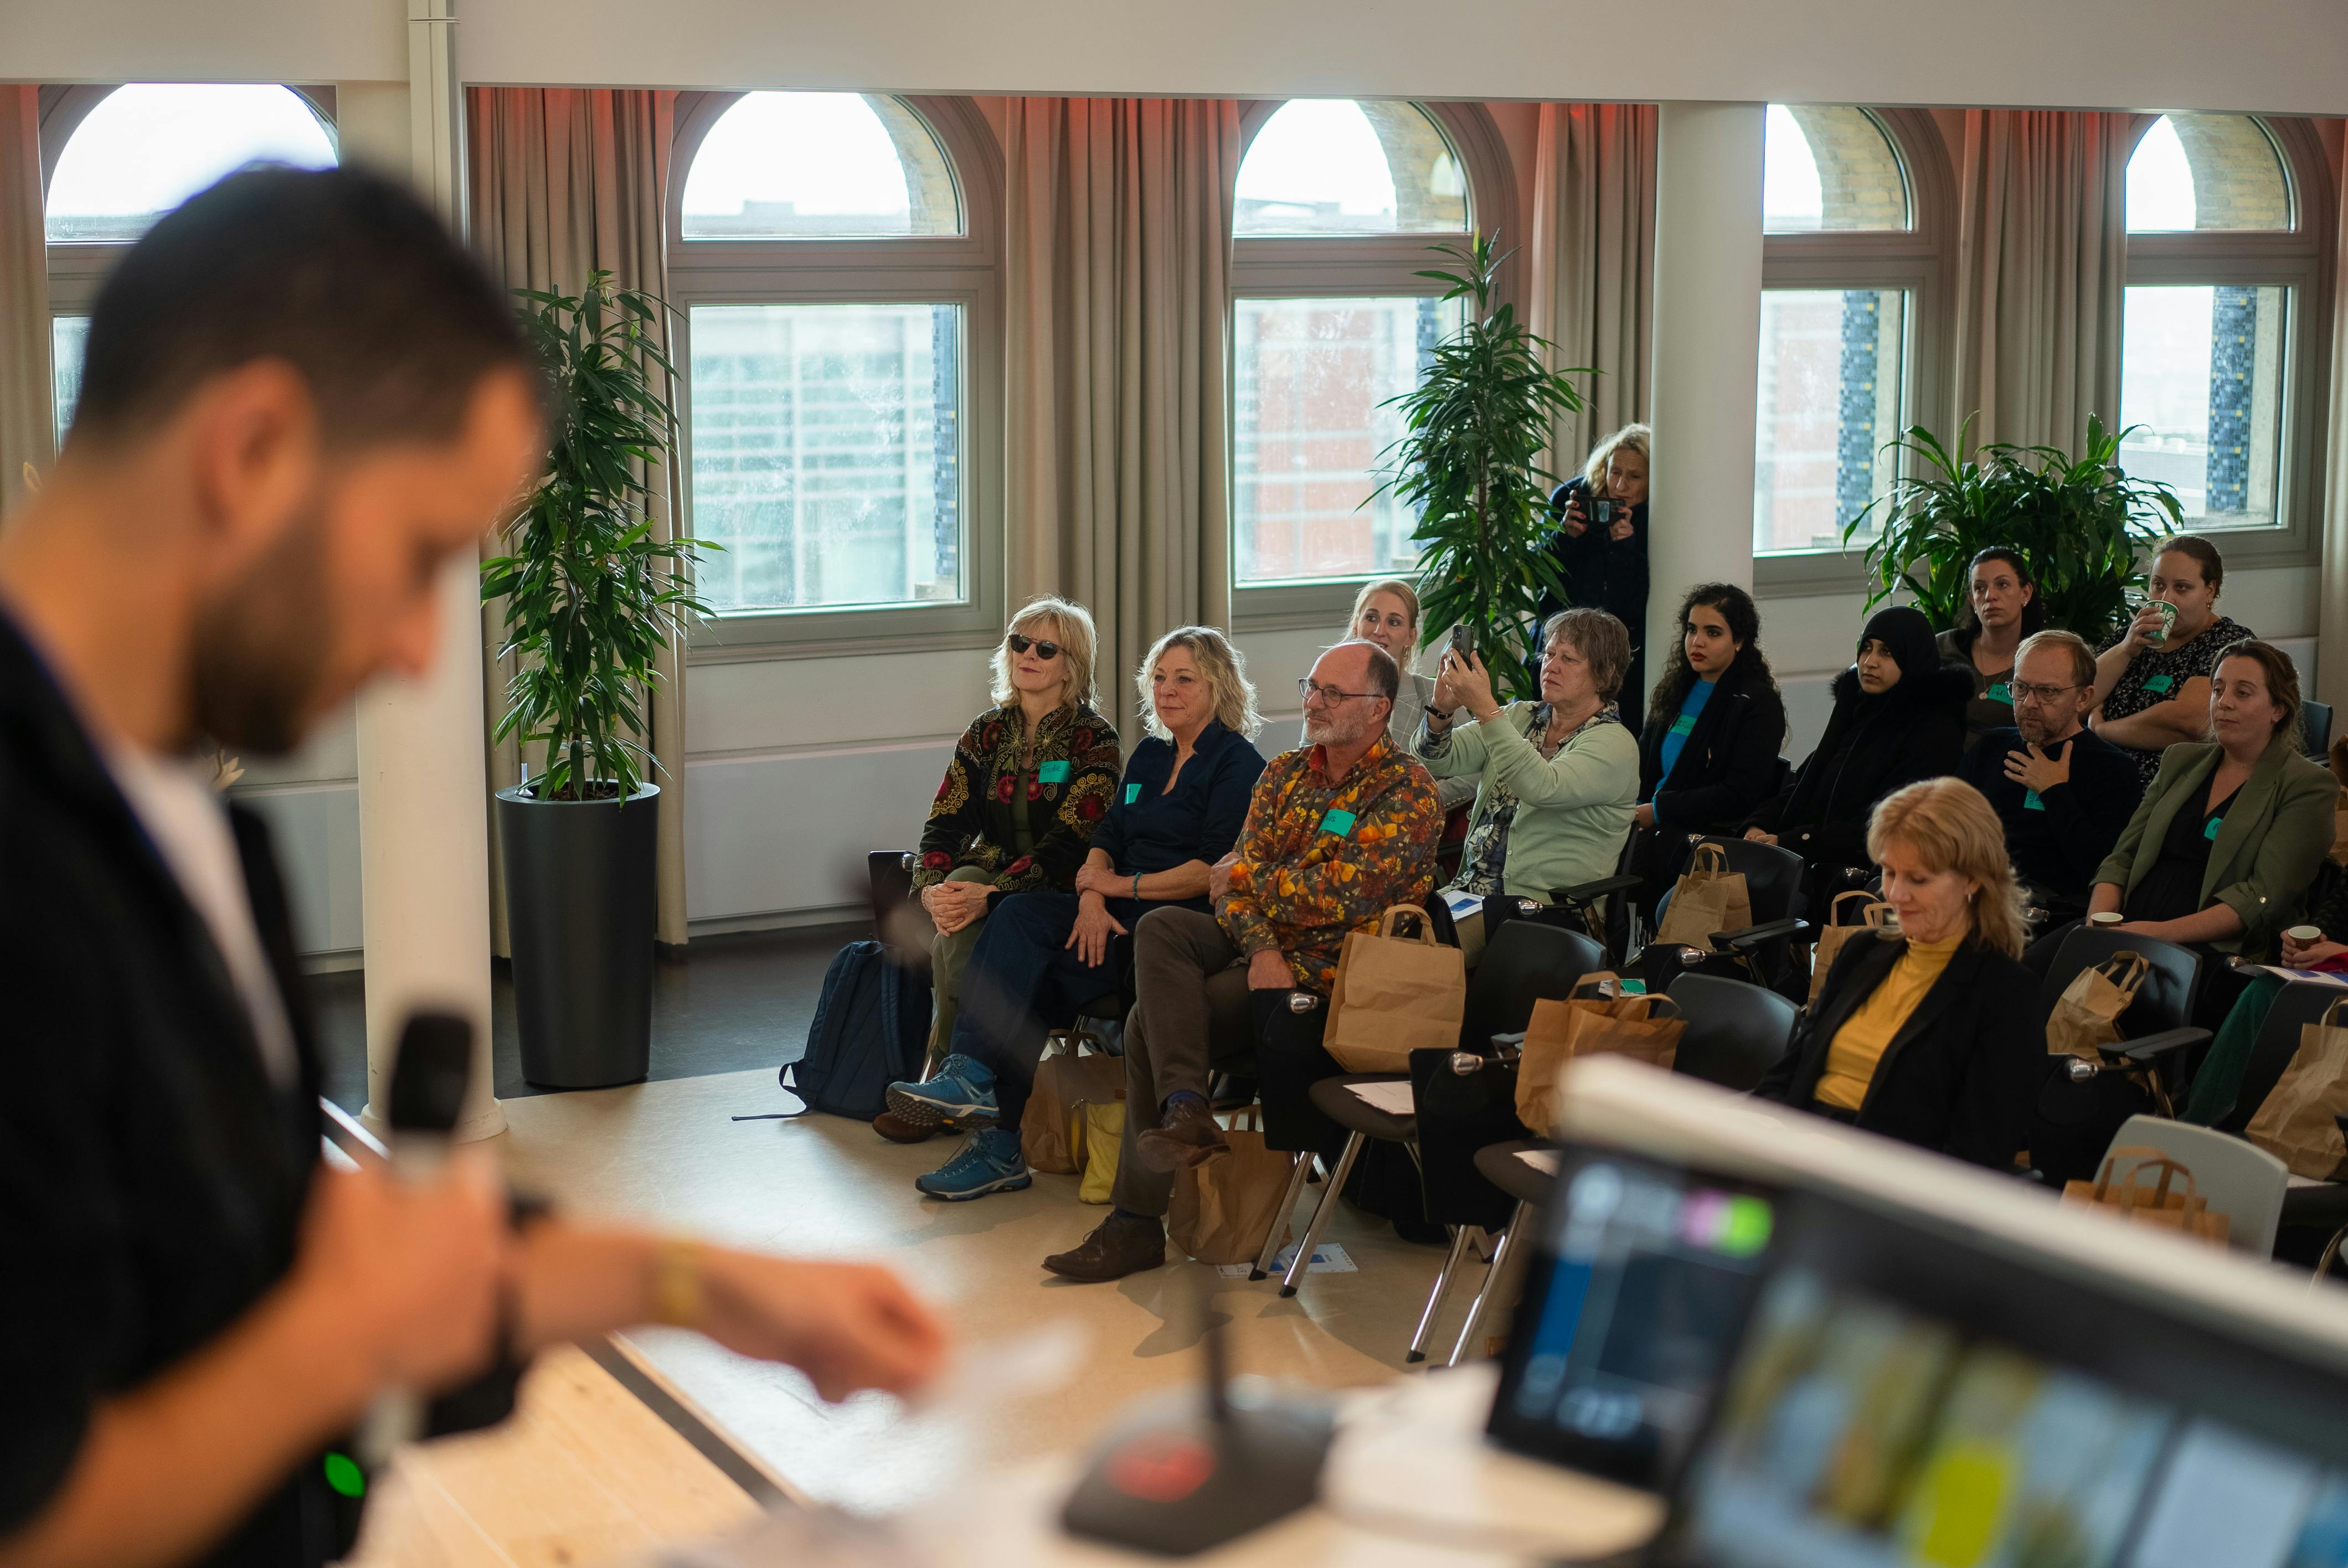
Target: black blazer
x=1867 y=752
x=1727 y=767
x=1962 y=1076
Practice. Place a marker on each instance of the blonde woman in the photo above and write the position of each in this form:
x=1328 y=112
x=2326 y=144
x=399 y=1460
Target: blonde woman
x=1044 y=953
x=1028 y=784
x=1601 y=547
x=1387 y=612
x=1935 y=1034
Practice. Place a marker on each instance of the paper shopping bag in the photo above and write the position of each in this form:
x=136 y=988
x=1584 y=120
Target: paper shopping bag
x=2295 y=1121
x=1394 y=995
x=2164 y=1205
x=2086 y=1017
x=1097 y=1132
x=1644 y=1027
x=1224 y=1207
x=1707 y=897
x=1065 y=1076
x=1835 y=934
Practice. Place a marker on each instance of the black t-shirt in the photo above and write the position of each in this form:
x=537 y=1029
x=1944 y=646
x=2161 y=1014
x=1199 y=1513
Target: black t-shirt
x=2172 y=888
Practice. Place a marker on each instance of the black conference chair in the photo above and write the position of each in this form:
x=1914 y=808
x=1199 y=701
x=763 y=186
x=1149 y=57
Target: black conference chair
x=2315 y=723
x=2155 y=1036
x=1776 y=881
x=1736 y=1030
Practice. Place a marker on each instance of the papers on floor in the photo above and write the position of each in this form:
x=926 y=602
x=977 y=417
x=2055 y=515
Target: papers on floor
x=1542 y=1159
x=1391 y=1095
x=1328 y=1258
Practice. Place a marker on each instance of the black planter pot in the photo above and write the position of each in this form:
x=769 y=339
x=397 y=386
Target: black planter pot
x=579 y=911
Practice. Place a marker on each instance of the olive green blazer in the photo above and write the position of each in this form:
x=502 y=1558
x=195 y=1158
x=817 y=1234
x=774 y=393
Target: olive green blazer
x=2267 y=850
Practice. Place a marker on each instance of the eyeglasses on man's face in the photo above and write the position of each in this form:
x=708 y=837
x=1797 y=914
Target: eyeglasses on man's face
x=2025 y=692
x=1330 y=696
x=1046 y=651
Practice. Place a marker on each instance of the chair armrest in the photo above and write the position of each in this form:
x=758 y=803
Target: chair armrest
x=1747 y=938
x=1507 y=1046
x=2150 y=1050
x=1590 y=892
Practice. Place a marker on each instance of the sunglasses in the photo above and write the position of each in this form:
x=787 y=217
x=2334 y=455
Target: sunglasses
x=1046 y=651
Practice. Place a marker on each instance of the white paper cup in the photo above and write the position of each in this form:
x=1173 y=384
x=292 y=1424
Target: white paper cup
x=2105 y=917
x=2304 y=935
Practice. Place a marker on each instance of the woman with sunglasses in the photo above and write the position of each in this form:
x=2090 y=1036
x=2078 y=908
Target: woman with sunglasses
x=1029 y=782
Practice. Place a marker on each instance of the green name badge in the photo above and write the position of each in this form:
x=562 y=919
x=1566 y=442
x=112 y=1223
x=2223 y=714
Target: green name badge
x=1683 y=726
x=1132 y=794
x=2159 y=682
x=2000 y=694
x=1053 y=773
x=2210 y=832
x=1340 y=822
x=2030 y=801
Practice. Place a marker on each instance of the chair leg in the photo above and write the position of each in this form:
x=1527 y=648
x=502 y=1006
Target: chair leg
x=1300 y=1165
x=1435 y=1297
x=1492 y=1277
x=1321 y=1212
x=2330 y=1254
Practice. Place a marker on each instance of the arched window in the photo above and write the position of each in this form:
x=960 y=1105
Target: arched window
x=1846 y=265
x=123 y=157
x=839 y=324
x=2218 y=267
x=1336 y=202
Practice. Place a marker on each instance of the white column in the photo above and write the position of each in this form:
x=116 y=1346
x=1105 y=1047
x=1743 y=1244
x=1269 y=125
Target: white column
x=424 y=847
x=1707 y=350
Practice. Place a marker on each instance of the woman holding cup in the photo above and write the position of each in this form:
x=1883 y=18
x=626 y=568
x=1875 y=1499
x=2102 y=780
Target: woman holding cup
x=2155 y=675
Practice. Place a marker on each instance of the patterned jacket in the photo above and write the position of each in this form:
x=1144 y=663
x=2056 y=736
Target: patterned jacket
x=1320 y=857
x=1069 y=785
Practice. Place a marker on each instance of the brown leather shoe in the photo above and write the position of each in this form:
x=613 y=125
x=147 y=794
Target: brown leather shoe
x=897 y=1130
x=1188 y=1136
x=1118 y=1246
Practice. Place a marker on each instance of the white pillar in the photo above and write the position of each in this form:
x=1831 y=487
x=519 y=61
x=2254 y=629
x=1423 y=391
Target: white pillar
x=424 y=846
x=1707 y=350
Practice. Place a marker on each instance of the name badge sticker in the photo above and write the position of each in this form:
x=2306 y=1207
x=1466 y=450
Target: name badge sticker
x=2159 y=682
x=1683 y=726
x=1132 y=794
x=1340 y=822
x=2000 y=692
x=2210 y=832
x=2030 y=801
x=1053 y=773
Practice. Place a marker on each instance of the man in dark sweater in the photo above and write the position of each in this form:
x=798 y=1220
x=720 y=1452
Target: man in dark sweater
x=2063 y=793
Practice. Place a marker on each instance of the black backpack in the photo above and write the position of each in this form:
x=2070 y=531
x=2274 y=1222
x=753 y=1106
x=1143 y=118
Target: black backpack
x=872 y=1029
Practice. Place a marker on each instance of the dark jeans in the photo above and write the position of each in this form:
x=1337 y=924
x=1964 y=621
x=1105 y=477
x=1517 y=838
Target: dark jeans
x=1023 y=979
x=1190 y=1017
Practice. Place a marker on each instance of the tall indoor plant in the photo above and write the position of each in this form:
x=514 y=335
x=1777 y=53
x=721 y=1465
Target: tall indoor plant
x=2080 y=522
x=1470 y=462
x=590 y=597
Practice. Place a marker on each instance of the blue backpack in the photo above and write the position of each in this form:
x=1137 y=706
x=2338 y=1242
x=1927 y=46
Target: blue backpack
x=872 y=1029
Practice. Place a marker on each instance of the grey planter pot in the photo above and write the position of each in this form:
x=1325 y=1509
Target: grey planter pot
x=579 y=912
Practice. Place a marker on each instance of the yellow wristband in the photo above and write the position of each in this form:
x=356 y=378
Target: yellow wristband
x=676 y=1285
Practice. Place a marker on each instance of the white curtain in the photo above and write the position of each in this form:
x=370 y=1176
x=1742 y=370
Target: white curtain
x=1593 y=262
x=27 y=431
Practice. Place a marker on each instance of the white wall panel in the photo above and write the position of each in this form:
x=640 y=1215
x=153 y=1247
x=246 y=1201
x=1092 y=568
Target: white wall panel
x=317 y=830
x=787 y=833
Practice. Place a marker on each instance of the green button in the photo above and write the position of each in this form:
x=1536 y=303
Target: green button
x=1999 y=693
x=1683 y=726
x=1132 y=794
x=2159 y=682
x=2212 y=831
x=345 y=1476
x=2030 y=801
x=1340 y=822
x=1053 y=773
x=1745 y=1229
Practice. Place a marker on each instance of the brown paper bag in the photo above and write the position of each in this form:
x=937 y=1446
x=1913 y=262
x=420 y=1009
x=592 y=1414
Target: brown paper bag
x=1065 y=1076
x=1097 y=1132
x=1394 y=995
x=1833 y=935
x=2086 y=1017
x=1604 y=1024
x=2295 y=1121
x=1707 y=897
x=2187 y=1213
x=1222 y=1208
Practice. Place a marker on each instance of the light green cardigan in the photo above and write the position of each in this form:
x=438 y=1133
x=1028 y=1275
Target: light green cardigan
x=1573 y=810
x=2275 y=836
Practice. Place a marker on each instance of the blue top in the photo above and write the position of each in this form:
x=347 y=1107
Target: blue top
x=1148 y=830
x=1676 y=737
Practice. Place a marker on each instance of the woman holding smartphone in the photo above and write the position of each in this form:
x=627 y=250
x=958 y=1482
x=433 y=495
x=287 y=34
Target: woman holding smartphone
x=1601 y=546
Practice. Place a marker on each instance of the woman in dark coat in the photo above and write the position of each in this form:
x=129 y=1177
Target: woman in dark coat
x=1604 y=559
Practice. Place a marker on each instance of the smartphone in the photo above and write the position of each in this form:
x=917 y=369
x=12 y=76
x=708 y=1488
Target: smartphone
x=1459 y=643
x=1602 y=513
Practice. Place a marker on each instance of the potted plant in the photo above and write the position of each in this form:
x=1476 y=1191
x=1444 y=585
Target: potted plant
x=1477 y=425
x=589 y=599
x=2080 y=522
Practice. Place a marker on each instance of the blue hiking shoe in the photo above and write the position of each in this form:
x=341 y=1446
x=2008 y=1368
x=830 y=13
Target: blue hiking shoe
x=988 y=1163
x=960 y=1094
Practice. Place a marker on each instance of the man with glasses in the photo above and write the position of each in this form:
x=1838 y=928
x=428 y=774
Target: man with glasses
x=1338 y=830
x=2064 y=792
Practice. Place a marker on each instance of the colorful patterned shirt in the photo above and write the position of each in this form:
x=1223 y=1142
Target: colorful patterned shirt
x=1072 y=777
x=1320 y=857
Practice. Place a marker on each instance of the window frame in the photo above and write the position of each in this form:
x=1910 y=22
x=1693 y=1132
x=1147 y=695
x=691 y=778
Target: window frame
x=2299 y=261
x=1347 y=266
x=1919 y=260
x=962 y=269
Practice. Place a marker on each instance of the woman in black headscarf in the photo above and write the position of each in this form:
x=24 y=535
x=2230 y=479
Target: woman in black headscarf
x=1899 y=716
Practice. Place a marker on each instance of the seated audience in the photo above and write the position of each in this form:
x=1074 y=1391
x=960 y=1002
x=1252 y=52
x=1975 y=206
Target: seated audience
x=1028 y=782
x=1899 y=716
x=1709 y=758
x=1605 y=565
x=1337 y=832
x=2062 y=792
x=2002 y=609
x=1934 y=1034
x=1044 y=954
x=1386 y=613
x=1557 y=777
x=2155 y=688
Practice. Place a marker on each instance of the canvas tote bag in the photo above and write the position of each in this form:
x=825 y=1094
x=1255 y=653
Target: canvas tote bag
x=1065 y=1076
x=1644 y=1027
x=1707 y=897
x=1096 y=1134
x=1223 y=1208
x=1835 y=934
x=2161 y=1206
x=2086 y=1017
x=2295 y=1123
x=1394 y=995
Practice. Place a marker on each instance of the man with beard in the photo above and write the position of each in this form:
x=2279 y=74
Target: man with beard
x=302 y=400
x=2064 y=792
x=1338 y=831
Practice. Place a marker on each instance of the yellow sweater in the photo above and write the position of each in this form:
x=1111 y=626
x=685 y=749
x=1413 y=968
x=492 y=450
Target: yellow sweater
x=1859 y=1044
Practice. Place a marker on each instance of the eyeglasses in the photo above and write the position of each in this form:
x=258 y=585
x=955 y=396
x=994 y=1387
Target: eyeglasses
x=2023 y=693
x=1046 y=651
x=1330 y=696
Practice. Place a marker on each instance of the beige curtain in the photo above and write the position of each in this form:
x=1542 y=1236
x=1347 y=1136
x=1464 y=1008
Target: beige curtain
x=27 y=433
x=1117 y=280
x=2331 y=643
x=566 y=181
x=2042 y=245
x=1593 y=262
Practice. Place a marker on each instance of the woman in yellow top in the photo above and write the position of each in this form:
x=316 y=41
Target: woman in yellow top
x=1933 y=1034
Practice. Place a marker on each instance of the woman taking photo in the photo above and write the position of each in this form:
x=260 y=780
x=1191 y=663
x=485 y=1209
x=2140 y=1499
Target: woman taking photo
x=1600 y=546
x=1044 y=954
x=1556 y=778
x=2001 y=609
x=1028 y=782
x=2155 y=682
x=1387 y=612
x=1709 y=757
x=1934 y=1035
